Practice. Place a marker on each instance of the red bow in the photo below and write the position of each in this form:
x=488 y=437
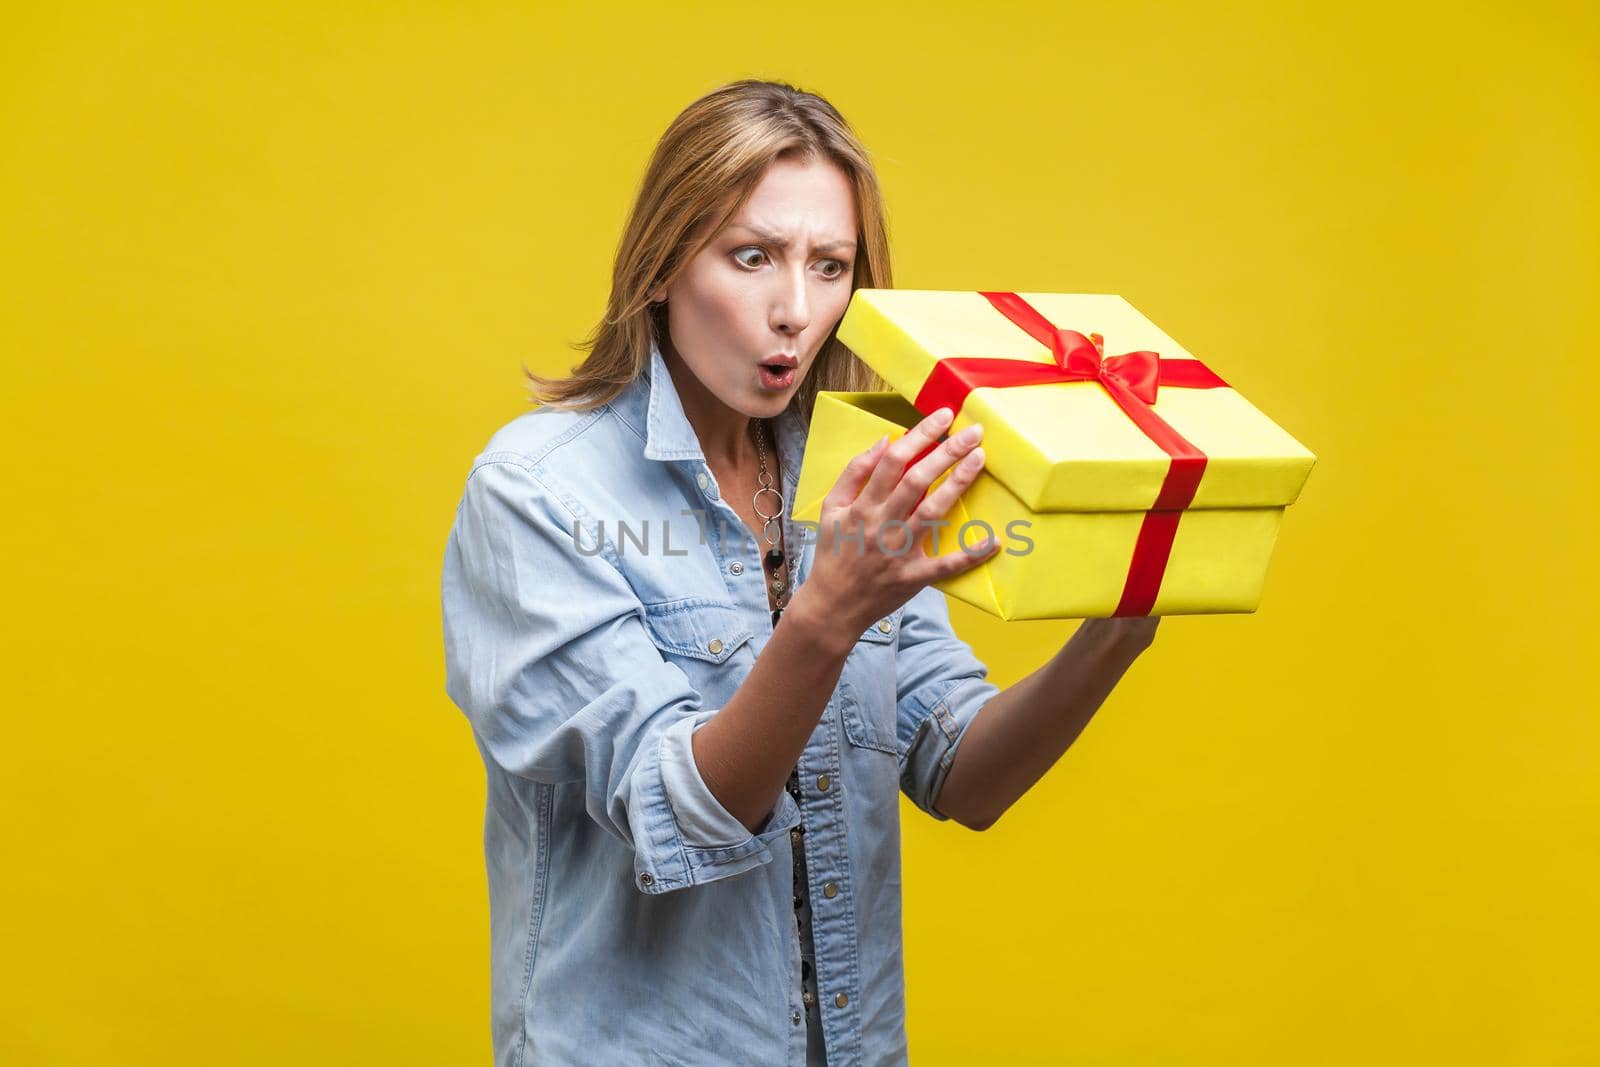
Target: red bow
x=1133 y=381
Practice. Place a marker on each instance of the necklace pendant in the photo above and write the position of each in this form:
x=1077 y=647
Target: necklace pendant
x=774 y=558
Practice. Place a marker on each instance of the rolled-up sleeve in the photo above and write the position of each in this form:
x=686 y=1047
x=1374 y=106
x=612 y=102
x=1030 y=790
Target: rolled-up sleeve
x=941 y=686
x=547 y=654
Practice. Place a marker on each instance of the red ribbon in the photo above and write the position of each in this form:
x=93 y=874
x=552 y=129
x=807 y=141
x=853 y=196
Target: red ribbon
x=1132 y=379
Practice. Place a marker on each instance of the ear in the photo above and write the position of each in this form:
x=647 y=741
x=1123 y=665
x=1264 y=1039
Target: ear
x=658 y=295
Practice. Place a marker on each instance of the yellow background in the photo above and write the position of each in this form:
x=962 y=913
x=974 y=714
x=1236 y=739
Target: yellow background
x=268 y=273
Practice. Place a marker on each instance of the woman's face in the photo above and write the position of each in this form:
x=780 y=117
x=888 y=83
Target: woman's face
x=768 y=288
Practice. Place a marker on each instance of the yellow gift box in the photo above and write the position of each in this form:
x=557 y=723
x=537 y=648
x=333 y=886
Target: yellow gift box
x=1132 y=484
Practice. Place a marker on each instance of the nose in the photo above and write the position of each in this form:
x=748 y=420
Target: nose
x=791 y=305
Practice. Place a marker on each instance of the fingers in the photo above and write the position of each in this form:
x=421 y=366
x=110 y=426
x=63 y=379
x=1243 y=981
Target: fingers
x=855 y=475
x=938 y=503
x=949 y=564
x=894 y=478
x=924 y=472
x=886 y=475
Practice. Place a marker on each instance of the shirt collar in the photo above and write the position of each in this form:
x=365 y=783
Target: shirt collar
x=667 y=432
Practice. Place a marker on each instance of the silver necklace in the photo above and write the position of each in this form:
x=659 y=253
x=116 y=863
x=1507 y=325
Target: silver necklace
x=772 y=527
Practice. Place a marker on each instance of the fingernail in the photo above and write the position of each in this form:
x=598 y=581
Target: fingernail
x=971 y=433
x=944 y=416
x=974 y=459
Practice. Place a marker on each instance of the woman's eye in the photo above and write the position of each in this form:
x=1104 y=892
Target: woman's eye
x=752 y=257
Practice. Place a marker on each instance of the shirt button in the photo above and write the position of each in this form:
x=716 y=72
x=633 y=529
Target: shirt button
x=823 y=782
x=884 y=625
x=645 y=879
x=840 y=999
x=830 y=890
x=736 y=567
x=715 y=646
x=795 y=1018
x=794 y=837
x=702 y=480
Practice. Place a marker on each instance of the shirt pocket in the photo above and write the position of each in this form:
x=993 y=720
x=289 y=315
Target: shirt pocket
x=700 y=635
x=867 y=689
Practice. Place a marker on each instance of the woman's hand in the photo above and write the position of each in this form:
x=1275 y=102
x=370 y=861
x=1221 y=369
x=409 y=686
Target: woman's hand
x=873 y=523
x=1129 y=634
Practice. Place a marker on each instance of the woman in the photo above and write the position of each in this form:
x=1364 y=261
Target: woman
x=696 y=728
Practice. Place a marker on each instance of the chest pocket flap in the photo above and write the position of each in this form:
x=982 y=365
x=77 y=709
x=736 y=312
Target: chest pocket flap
x=702 y=628
x=886 y=630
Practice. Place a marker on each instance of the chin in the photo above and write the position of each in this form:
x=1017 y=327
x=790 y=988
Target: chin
x=769 y=407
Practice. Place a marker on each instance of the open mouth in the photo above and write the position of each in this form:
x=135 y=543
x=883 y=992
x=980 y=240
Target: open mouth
x=776 y=374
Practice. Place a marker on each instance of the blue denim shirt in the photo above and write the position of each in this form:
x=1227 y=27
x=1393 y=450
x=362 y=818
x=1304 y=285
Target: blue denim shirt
x=633 y=919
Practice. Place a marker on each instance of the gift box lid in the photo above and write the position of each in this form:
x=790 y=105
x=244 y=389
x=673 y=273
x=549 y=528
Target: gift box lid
x=1112 y=414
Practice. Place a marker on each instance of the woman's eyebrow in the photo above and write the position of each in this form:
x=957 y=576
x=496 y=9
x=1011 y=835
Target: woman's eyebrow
x=780 y=241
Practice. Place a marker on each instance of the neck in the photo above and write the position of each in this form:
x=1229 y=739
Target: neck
x=725 y=434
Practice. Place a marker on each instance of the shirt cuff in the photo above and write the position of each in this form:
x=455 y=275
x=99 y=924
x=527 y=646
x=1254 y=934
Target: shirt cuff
x=710 y=843
x=943 y=712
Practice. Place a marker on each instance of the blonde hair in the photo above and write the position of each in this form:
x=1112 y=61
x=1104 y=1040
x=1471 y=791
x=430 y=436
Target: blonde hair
x=722 y=142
